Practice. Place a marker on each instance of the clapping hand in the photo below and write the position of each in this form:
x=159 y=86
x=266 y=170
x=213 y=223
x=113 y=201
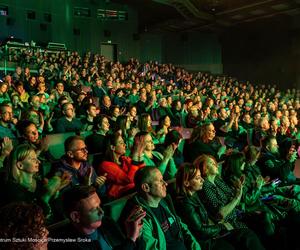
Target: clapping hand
x=134 y=224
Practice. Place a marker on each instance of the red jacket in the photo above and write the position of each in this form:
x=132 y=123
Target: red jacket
x=119 y=178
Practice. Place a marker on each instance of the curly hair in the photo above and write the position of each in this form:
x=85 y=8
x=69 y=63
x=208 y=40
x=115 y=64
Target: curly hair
x=22 y=221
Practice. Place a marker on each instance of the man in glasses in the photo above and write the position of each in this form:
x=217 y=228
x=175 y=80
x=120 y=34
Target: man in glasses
x=74 y=162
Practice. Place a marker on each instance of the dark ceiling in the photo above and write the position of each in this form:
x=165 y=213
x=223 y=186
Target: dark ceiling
x=208 y=15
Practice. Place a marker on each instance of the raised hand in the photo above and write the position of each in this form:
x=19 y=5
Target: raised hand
x=134 y=224
x=6 y=146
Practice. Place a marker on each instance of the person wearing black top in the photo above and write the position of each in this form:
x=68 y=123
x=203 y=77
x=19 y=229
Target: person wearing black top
x=88 y=227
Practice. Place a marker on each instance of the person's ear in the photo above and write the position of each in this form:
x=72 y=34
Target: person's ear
x=75 y=217
x=112 y=147
x=186 y=183
x=145 y=187
x=19 y=165
x=70 y=154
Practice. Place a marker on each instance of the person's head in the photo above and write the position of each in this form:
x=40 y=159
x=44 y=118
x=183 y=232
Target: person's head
x=132 y=111
x=23 y=161
x=23 y=221
x=101 y=123
x=3 y=87
x=193 y=111
x=223 y=114
x=256 y=119
x=247 y=118
x=264 y=124
x=144 y=122
x=35 y=102
x=28 y=130
x=6 y=113
x=115 y=111
x=32 y=81
x=150 y=184
x=163 y=102
x=147 y=138
x=176 y=105
x=208 y=132
x=285 y=121
x=60 y=87
x=106 y=101
x=41 y=87
x=91 y=110
x=82 y=206
x=164 y=121
x=116 y=146
x=123 y=123
x=173 y=138
x=270 y=144
x=68 y=110
x=207 y=164
x=75 y=149
x=188 y=179
x=234 y=165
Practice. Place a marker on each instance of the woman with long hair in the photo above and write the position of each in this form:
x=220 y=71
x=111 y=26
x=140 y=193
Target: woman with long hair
x=120 y=169
x=204 y=141
x=164 y=162
x=190 y=208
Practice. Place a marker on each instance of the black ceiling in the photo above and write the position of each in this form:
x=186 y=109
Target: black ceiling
x=208 y=15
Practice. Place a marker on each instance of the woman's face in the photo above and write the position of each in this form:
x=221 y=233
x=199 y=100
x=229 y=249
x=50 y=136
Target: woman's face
x=167 y=121
x=105 y=124
x=133 y=112
x=30 y=164
x=212 y=167
x=3 y=88
x=149 y=145
x=120 y=147
x=211 y=132
x=196 y=183
x=31 y=133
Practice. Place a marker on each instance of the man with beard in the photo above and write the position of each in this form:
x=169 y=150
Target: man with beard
x=75 y=163
x=7 y=126
x=274 y=165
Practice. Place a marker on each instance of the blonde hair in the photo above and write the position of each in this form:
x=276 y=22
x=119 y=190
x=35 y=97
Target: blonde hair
x=20 y=153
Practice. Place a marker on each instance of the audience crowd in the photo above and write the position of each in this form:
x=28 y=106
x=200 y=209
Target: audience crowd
x=201 y=161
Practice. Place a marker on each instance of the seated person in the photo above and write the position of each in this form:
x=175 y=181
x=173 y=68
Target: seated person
x=164 y=162
x=203 y=141
x=193 y=212
x=162 y=228
x=119 y=168
x=68 y=122
x=88 y=223
x=74 y=162
x=23 y=183
x=274 y=165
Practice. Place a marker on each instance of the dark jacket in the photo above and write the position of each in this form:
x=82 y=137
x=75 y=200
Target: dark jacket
x=194 y=214
x=152 y=236
x=276 y=167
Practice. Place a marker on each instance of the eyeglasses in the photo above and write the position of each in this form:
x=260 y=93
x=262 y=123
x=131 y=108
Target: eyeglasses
x=83 y=150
